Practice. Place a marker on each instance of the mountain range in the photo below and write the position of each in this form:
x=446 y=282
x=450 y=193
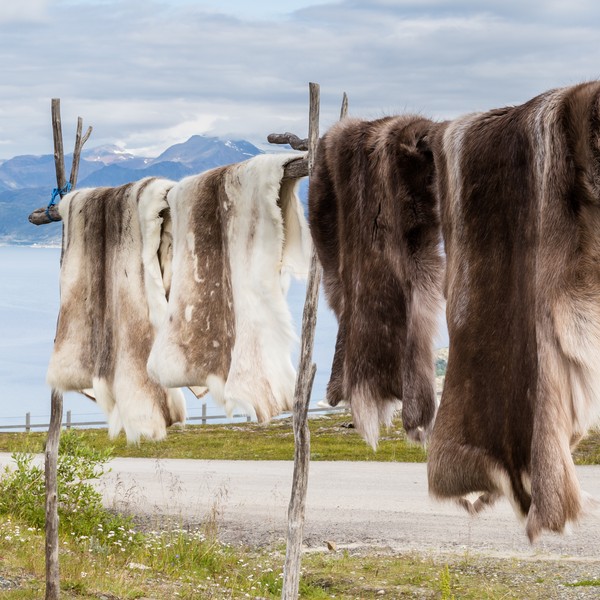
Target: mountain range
x=26 y=182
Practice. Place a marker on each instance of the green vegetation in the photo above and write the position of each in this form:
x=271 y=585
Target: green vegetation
x=585 y=583
x=332 y=438
x=441 y=362
x=104 y=555
x=588 y=450
x=193 y=564
x=22 y=492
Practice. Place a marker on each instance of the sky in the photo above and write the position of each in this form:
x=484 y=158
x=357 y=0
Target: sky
x=149 y=73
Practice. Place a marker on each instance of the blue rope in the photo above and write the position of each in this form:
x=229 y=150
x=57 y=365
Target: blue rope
x=55 y=193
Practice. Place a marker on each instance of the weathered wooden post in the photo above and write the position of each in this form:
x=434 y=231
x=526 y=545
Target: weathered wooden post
x=304 y=383
x=49 y=214
x=51 y=456
x=306 y=369
x=56 y=409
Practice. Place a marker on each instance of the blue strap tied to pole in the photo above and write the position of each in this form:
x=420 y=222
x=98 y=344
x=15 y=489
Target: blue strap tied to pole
x=55 y=193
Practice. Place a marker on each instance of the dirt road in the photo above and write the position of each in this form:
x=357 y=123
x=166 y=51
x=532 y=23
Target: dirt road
x=353 y=504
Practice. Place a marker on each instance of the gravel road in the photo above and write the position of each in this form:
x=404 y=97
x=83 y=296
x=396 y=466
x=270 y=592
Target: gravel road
x=356 y=505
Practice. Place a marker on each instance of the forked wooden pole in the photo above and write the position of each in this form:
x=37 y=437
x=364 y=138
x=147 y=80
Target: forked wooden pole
x=304 y=382
x=56 y=408
x=45 y=215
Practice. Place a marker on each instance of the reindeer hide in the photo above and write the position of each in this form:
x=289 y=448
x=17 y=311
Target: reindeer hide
x=112 y=294
x=520 y=205
x=374 y=221
x=238 y=234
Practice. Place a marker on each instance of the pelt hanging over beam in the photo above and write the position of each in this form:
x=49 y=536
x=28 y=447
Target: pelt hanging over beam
x=520 y=202
x=374 y=220
x=238 y=235
x=112 y=297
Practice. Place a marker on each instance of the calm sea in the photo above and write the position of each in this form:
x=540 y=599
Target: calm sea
x=28 y=309
x=29 y=303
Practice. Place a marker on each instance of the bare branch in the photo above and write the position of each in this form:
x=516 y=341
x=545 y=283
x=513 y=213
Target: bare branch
x=86 y=137
x=288 y=138
x=344 y=109
x=79 y=142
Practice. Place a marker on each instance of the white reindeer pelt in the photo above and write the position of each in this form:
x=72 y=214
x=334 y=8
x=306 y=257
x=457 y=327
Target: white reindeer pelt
x=112 y=296
x=238 y=234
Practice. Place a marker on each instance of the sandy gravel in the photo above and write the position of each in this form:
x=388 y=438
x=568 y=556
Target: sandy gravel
x=353 y=504
x=362 y=507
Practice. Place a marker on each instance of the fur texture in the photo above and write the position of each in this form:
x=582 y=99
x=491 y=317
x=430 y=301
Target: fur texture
x=112 y=293
x=238 y=235
x=374 y=221
x=520 y=195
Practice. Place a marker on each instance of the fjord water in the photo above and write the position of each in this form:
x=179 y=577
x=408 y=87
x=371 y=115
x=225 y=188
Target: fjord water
x=29 y=301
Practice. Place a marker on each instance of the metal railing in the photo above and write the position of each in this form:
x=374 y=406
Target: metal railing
x=68 y=422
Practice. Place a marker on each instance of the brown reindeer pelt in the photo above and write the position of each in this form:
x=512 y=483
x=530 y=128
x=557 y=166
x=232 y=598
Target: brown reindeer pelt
x=112 y=297
x=374 y=221
x=520 y=205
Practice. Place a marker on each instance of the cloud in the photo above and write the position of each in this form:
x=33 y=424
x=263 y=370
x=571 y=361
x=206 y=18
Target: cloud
x=148 y=72
x=23 y=11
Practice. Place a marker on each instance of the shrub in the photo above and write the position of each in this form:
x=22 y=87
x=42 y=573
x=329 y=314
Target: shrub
x=80 y=509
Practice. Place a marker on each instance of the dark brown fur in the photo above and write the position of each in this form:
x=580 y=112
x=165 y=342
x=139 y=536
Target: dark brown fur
x=519 y=200
x=374 y=221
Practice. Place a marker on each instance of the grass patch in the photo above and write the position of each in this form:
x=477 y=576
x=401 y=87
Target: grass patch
x=191 y=564
x=102 y=555
x=585 y=583
x=588 y=450
x=331 y=439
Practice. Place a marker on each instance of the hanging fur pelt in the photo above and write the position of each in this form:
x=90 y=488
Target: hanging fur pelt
x=238 y=235
x=112 y=297
x=520 y=204
x=375 y=224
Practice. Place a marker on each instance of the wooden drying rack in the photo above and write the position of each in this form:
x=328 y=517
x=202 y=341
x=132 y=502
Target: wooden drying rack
x=295 y=169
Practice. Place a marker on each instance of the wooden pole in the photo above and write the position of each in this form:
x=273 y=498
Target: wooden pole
x=45 y=215
x=304 y=383
x=59 y=153
x=51 y=455
x=344 y=109
x=56 y=410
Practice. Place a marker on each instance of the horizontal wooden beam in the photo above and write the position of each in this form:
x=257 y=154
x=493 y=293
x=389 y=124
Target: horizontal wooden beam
x=288 y=138
x=295 y=169
x=40 y=215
